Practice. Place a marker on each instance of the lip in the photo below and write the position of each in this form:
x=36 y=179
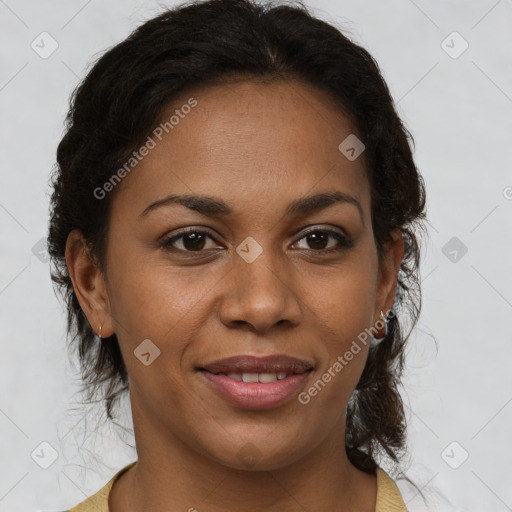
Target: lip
x=253 y=364
x=256 y=395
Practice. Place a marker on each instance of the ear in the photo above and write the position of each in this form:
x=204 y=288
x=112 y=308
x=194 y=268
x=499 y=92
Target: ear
x=388 y=274
x=89 y=284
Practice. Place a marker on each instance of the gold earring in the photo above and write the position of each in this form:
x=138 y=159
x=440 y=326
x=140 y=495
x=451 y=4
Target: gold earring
x=100 y=333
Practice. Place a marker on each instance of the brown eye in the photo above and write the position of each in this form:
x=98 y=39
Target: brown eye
x=194 y=240
x=318 y=240
x=191 y=241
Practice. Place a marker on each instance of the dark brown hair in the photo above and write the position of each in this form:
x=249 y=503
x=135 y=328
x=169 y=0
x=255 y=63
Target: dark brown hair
x=121 y=99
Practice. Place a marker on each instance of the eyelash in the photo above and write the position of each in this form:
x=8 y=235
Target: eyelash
x=344 y=242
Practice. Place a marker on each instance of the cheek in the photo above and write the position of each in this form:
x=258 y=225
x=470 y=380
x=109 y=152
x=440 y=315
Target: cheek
x=346 y=301
x=153 y=303
x=344 y=306
x=153 y=300
x=145 y=294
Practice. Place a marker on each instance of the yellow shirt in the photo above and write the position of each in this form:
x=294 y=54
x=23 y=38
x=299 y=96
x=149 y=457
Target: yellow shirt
x=389 y=498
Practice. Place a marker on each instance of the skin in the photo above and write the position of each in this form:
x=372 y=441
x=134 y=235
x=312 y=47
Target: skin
x=257 y=146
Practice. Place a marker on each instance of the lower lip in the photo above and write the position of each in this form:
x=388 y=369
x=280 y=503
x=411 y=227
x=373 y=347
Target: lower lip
x=256 y=395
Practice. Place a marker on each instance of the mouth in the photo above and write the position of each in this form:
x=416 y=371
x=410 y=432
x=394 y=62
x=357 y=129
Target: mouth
x=256 y=383
x=279 y=365
x=256 y=377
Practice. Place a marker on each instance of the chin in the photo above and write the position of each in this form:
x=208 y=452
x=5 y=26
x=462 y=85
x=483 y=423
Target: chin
x=259 y=454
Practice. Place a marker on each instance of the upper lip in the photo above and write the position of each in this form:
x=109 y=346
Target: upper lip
x=252 y=364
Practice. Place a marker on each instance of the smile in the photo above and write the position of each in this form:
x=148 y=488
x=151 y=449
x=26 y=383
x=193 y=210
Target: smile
x=257 y=377
x=255 y=390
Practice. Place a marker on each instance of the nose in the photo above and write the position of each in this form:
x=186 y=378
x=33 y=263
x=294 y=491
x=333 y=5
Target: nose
x=260 y=295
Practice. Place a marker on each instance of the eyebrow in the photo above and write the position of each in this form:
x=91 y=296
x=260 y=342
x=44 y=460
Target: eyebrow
x=212 y=206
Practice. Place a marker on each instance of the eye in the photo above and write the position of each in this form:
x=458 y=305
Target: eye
x=318 y=239
x=191 y=240
x=195 y=240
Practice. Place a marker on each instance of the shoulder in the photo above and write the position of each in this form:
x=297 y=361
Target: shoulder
x=431 y=501
x=389 y=498
x=98 y=502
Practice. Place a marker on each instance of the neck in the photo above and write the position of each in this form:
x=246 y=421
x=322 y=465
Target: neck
x=170 y=475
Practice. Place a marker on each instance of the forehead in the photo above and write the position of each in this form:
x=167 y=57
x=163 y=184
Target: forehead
x=250 y=142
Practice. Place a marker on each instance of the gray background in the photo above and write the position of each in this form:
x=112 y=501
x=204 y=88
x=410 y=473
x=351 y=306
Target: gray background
x=460 y=113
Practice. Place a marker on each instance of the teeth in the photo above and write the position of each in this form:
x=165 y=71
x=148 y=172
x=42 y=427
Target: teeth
x=250 y=377
x=257 y=377
x=267 y=377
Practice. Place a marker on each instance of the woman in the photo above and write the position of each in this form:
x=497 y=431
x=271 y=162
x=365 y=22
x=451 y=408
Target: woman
x=234 y=229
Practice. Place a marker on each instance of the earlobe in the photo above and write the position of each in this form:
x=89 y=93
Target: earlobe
x=88 y=283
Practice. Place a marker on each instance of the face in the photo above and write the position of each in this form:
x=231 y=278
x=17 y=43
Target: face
x=242 y=273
